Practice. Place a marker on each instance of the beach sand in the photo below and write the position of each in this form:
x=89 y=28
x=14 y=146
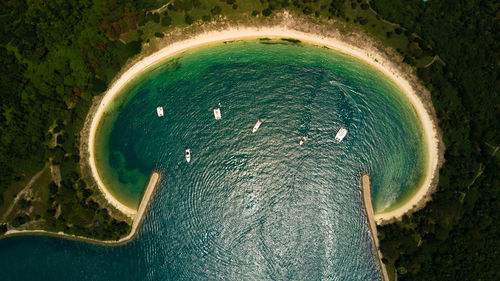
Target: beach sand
x=370 y=55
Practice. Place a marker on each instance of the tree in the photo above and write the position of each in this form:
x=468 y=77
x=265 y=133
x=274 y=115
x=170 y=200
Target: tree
x=188 y=19
x=166 y=20
x=267 y=12
x=216 y=10
x=3 y=228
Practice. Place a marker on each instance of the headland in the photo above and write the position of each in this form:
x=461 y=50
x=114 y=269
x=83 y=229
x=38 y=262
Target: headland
x=136 y=222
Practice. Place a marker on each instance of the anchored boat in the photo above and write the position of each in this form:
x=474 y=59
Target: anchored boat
x=217 y=114
x=302 y=140
x=188 y=155
x=256 y=127
x=159 y=111
x=341 y=134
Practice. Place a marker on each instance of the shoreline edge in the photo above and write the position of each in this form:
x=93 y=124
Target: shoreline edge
x=367 y=55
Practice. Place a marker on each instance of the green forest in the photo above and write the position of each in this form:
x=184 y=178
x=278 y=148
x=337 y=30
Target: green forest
x=57 y=55
x=455 y=237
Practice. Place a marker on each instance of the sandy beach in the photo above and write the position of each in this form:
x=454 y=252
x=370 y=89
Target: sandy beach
x=369 y=56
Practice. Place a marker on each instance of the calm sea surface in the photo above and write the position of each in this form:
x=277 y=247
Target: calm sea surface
x=248 y=206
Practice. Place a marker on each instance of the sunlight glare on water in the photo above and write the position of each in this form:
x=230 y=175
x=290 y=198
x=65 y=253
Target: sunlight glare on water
x=249 y=206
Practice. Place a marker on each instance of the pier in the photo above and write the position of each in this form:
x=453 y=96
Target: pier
x=143 y=206
x=370 y=216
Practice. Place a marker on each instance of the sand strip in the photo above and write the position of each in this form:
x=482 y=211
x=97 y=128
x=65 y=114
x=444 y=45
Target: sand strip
x=371 y=57
x=367 y=199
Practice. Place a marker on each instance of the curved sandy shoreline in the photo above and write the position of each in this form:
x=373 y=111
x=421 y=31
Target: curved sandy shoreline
x=371 y=57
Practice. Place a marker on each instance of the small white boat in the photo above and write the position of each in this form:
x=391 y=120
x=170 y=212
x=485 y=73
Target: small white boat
x=341 y=134
x=159 y=111
x=217 y=114
x=188 y=155
x=302 y=140
x=256 y=127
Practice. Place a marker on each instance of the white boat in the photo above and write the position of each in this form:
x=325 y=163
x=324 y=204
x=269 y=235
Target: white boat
x=302 y=140
x=188 y=155
x=256 y=127
x=217 y=114
x=341 y=134
x=159 y=111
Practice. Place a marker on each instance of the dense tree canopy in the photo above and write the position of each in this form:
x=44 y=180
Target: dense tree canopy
x=454 y=237
x=56 y=55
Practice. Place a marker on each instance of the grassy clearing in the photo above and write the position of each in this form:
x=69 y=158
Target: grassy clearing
x=37 y=196
x=10 y=193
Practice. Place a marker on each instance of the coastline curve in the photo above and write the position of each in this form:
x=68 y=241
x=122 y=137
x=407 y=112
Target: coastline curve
x=371 y=57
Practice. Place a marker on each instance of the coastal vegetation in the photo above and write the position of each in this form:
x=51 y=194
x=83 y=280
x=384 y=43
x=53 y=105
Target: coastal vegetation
x=454 y=237
x=57 y=55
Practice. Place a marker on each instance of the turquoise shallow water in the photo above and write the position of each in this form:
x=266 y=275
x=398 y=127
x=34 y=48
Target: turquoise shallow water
x=248 y=206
